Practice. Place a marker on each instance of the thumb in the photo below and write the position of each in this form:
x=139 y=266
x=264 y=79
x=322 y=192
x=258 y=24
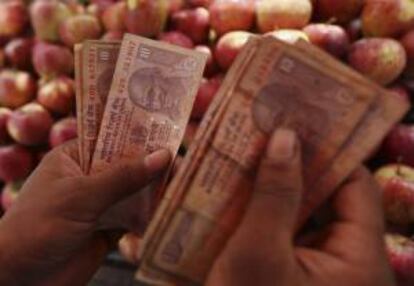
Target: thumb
x=277 y=195
x=123 y=180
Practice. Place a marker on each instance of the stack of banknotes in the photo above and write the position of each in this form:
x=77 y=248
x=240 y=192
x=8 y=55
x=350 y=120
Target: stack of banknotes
x=339 y=115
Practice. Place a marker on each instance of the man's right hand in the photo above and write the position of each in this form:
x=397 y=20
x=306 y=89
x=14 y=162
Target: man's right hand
x=262 y=251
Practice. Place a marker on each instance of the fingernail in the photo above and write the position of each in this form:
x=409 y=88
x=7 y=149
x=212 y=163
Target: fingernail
x=282 y=145
x=157 y=161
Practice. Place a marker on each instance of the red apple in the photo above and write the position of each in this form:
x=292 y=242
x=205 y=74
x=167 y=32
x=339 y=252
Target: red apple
x=195 y=23
x=339 y=11
x=176 y=5
x=398 y=146
x=62 y=131
x=211 y=66
x=10 y=194
x=206 y=93
x=51 y=60
x=189 y=134
x=2 y=58
x=200 y=3
x=230 y=15
x=380 y=59
x=397 y=182
x=57 y=95
x=229 y=46
x=19 y=53
x=176 y=38
x=282 y=14
x=16 y=163
x=331 y=38
x=387 y=18
x=4 y=117
x=16 y=88
x=46 y=16
x=113 y=36
x=408 y=43
x=78 y=28
x=113 y=17
x=401 y=91
x=354 y=30
x=146 y=17
x=13 y=18
x=289 y=36
x=400 y=251
x=30 y=124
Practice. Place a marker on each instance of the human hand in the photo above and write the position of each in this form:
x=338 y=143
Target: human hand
x=262 y=251
x=49 y=236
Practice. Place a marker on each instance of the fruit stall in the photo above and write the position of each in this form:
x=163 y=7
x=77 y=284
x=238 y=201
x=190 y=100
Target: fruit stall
x=37 y=87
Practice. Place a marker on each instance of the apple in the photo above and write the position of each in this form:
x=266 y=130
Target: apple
x=354 y=30
x=387 y=18
x=16 y=88
x=52 y=60
x=4 y=117
x=113 y=17
x=30 y=124
x=338 y=11
x=398 y=146
x=397 y=183
x=195 y=23
x=331 y=38
x=401 y=91
x=288 y=35
x=2 y=58
x=189 y=134
x=176 y=5
x=46 y=16
x=146 y=17
x=408 y=43
x=78 y=28
x=13 y=18
x=400 y=251
x=230 y=15
x=199 y=3
x=381 y=59
x=282 y=14
x=57 y=95
x=211 y=66
x=205 y=94
x=16 y=163
x=19 y=53
x=229 y=46
x=113 y=36
x=176 y=38
x=62 y=131
x=10 y=194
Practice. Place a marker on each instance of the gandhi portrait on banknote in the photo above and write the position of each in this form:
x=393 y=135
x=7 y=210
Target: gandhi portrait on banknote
x=149 y=89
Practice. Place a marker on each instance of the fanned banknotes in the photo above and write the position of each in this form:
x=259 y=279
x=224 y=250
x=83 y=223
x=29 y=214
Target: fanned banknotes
x=136 y=97
x=331 y=108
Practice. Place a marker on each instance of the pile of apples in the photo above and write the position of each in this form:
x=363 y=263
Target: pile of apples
x=375 y=37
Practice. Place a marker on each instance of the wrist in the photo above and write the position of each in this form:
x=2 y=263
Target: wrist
x=8 y=256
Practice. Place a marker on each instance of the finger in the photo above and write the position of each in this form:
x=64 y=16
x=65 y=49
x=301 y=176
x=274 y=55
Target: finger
x=129 y=247
x=359 y=201
x=109 y=187
x=62 y=160
x=277 y=195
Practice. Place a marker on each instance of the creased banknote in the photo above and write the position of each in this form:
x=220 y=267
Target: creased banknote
x=281 y=87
